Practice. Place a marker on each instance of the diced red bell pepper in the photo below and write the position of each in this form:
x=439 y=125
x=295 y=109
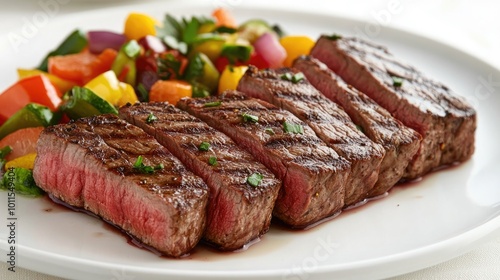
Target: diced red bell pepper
x=34 y=89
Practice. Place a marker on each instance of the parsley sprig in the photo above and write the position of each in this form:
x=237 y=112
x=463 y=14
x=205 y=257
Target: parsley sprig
x=146 y=169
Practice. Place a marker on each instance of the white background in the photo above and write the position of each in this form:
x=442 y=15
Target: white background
x=472 y=26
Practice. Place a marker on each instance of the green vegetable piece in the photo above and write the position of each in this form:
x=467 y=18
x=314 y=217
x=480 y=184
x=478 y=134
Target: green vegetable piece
x=287 y=76
x=168 y=67
x=132 y=49
x=3 y=153
x=190 y=31
x=252 y=29
x=82 y=102
x=278 y=30
x=31 y=115
x=74 y=43
x=199 y=90
x=250 y=118
x=289 y=127
x=151 y=118
x=397 y=81
x=225 y=29
x=255 y=179
x=212 y=104
x=235 y=53
x=212 y=161
x=204 y=146
x=360 y=128
x=20 y=180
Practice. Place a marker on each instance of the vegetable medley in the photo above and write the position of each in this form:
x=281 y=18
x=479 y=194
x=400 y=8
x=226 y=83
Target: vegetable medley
x=95 y=72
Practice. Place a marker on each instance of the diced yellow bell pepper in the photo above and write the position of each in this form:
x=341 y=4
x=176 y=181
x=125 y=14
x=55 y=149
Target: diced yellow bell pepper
x=231 y=77
x=128 y=95
x=61 y=84
x=211 y=48
x=26 y=161
x=106 y=86
x=138 y=25
x=296 y=46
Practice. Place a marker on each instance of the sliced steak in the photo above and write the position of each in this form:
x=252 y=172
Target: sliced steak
x=92 y=163
x=313 y=175
x=237 y=212
x=446 y=121
x=326 y=118
x=400 y=142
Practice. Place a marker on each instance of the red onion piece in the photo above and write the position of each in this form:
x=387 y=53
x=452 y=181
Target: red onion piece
x=152 y=43
x=268 y=46
x=101 y=40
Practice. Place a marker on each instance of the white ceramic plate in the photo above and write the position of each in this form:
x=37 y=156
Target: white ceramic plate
x=416 y=226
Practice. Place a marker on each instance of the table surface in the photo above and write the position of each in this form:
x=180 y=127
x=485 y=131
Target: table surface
x=472 y=26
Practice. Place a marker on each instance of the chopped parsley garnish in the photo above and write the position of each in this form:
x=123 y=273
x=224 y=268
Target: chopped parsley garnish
x=293 y=128
x=249 y=118
x=204 y=146
x=139 y=165
x=255 y=179
x=294 y=78
x=360 y=128
x=151 y=118
x=334 y=37
x=397 y=81
x=269 y=131
x=212 y=161
x=213 y=104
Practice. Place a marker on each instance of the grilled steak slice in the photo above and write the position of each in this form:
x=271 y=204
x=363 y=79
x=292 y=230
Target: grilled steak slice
x=446 y=122
x=400 y=142
x=91 y=163
x=237 y=212
x=313 y=175
x=326 y=118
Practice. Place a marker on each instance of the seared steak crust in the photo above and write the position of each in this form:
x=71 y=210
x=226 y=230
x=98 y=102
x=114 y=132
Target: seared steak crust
x=446 y=122
x=89 y=163
x=400 y=142
x=237 y=211
x=313 y=175
x=327 y=119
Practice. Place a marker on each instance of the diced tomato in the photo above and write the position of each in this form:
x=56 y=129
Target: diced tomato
x=224 y=18
x=81 y=67
x=22 y=142
x=37 y=89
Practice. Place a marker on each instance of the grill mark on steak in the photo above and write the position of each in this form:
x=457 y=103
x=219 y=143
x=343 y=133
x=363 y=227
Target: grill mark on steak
x=313 y=175
x=446 y=121
x=88 y=163
x=400 y=142
x=237 y=212
x=327 y=119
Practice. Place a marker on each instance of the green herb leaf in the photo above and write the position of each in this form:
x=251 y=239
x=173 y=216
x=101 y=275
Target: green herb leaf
x=255 y=179
x=212 y=161
x=200 y=90
x=194 y=69
x=294 y=78
x=168 y=67
x=269 y=131
x=235 y=53
x=225 y=29
x=142 y=93
x=334 y=37
x=213 y=104
x=204 y=146
x=175 y=44
x=397 y=81
x=278 y=30
x=139 y=166
x=151 y=118
x=5 y=151
x=20 y=180
x=249 y=118
x=293 y=128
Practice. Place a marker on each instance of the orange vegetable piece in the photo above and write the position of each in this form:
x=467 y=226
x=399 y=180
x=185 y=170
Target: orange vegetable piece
x=37 y=89
x=81 y=67
x=22 y=142
x=170 y=91
x=224 y=18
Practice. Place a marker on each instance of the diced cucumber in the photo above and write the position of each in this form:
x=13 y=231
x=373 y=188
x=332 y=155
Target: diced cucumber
x=82 y=102
x=31 y=115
